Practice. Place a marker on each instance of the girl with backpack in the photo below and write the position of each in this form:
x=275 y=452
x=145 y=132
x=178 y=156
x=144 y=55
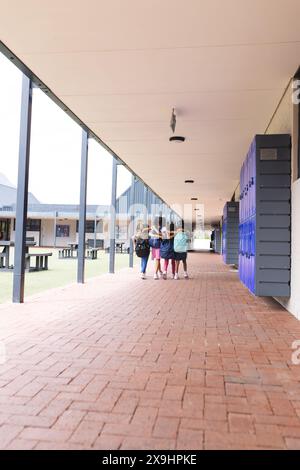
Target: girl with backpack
x=180 y=251
x=155 y=243
x=167 y=250
x=142 y=247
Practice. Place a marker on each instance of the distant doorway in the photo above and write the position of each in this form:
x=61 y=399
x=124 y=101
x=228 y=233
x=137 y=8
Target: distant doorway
x=4 y=229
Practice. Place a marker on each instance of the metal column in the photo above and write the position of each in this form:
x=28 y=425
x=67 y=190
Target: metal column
x=145 y=205
x=95 y=231
x=82 y=208
x=54 y=229
x=131 y=212
x=113 y=217
x=22 y=191
x=153 y=209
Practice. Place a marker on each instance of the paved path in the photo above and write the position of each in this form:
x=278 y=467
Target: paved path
x=125 y=363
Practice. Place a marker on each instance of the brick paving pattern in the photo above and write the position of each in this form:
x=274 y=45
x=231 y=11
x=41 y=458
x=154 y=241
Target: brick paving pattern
x=121 y=363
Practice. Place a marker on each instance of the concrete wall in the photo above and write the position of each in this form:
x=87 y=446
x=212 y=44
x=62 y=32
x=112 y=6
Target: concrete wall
x=47 y=233
x=285 y=120
x=293 y=303
x=35 y=235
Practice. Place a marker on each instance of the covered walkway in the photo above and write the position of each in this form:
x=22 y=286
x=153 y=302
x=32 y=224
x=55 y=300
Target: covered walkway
x=124 y=363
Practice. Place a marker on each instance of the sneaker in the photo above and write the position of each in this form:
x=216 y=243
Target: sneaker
x=173 y=276
x=186 y=276
x=176 y=277
x=164 y=275
x=155 y=276
x=143 y=276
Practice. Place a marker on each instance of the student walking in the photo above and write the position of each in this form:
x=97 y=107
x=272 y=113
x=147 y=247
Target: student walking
x=155 y=242
x=180 y=251
x=167 y=250
x=142 y=247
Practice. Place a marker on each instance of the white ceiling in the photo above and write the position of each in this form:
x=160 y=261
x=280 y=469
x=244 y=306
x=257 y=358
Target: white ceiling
x=122 y=65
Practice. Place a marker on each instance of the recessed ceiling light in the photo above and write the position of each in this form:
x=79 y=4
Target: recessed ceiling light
x=189 y=181
x=177 y=138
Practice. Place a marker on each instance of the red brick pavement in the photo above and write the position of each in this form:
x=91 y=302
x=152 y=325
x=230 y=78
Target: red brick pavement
x=121 y=363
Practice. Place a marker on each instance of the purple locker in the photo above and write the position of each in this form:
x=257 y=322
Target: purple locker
x=253 y=233
x=252 y=177
x=241 y=194
x=246 y=186
x=246 y=254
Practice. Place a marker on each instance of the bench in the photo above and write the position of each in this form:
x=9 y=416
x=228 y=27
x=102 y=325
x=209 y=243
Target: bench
x=92 y=253
x=3 y=260
x=41 y=261
x=66 y=252
x=92 y=243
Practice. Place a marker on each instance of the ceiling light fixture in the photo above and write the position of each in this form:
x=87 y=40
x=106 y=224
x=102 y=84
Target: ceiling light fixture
x=194 y=199
x=189 y=181
x=175 y=138
x=173 y=120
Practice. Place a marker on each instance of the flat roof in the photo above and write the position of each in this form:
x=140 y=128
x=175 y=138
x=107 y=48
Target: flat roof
x=122 y=66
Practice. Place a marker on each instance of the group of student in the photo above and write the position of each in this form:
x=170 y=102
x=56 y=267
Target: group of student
x=165 y=246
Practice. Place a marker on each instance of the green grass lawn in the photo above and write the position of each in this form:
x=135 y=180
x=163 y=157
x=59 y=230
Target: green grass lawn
x=61 y=272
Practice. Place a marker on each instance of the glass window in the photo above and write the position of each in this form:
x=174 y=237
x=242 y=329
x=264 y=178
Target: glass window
x=33 y=225
x=62 y=231
x=89 y=226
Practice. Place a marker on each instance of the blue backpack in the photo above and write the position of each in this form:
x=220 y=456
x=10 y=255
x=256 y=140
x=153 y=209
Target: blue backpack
x=166 y=249
x=180 y=242
x=154 y=242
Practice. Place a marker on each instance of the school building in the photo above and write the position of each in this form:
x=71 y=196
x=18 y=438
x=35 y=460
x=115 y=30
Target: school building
x=56 y=225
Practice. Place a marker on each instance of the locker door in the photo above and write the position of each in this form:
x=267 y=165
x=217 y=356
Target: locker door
x=247 y=185
x=254 y=252
x=224 y=241
x=241 y=254
x=246 y=251
x=242 y=193
x=251 y=259
x=251 y=182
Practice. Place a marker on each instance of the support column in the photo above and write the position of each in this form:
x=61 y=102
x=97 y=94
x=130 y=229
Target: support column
x=95 y=231
x=131 y=212
x=54 y=229
x=82 y=208
x=145 y=202
x=153 y=208
x=22 y=191
x=113 y=217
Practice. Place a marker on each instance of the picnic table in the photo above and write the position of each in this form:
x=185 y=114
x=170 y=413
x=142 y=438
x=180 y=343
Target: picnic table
x=5 y=254
x=119 y=247
x=41 y=261
x=92 y=253
x=69 y=251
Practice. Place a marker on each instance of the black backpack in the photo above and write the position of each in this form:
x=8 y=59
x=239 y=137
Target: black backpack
x=142 y=248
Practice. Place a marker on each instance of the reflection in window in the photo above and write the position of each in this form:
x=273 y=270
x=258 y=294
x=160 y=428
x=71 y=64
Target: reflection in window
x=62 y=231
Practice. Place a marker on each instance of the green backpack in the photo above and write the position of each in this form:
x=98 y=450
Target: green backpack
x=180 y=242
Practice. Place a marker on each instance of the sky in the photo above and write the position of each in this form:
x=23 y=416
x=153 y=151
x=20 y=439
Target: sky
x=55 y=148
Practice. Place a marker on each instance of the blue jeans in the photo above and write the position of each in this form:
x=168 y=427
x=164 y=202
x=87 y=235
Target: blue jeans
x=144 y=262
